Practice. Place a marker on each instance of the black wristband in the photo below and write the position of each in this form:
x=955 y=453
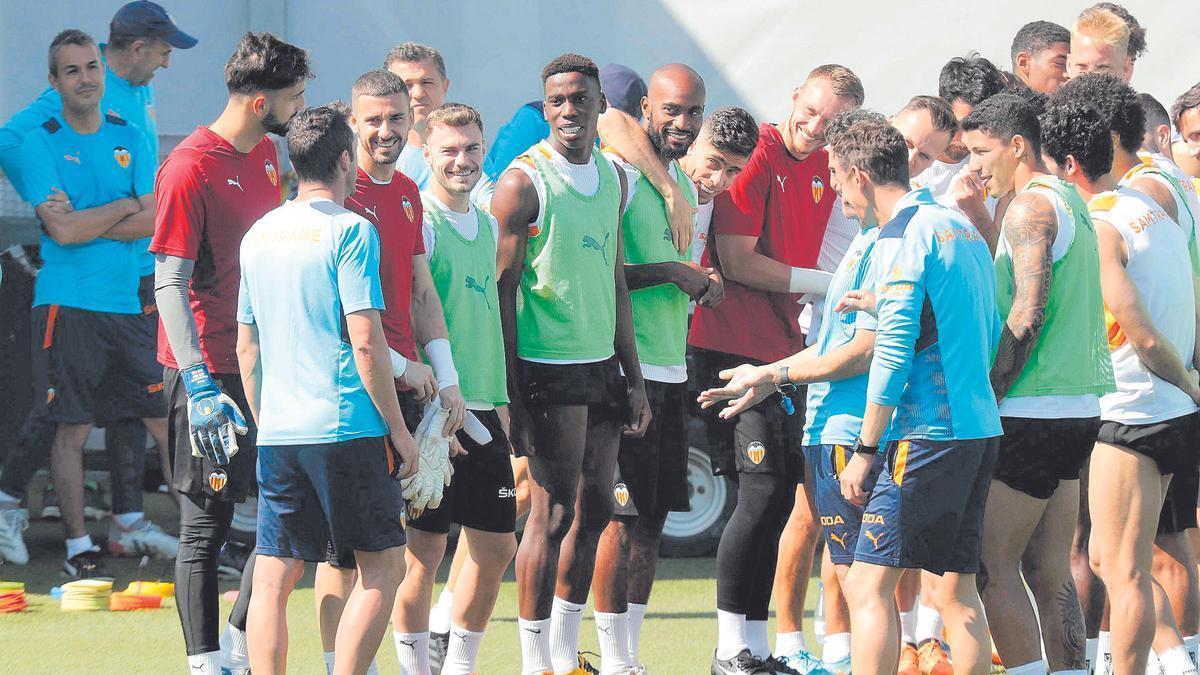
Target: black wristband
x=860 y=449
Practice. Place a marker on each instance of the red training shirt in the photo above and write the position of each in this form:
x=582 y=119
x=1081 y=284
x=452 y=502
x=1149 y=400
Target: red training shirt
x=784 y=202
x=395 y=210
x=209 y=195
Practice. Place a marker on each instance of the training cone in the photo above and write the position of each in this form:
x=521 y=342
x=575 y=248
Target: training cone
x=86 y=595
x=12 y=597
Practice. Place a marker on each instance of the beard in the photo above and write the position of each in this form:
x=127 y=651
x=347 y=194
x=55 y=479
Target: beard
x=274 y=126
x=661 y=147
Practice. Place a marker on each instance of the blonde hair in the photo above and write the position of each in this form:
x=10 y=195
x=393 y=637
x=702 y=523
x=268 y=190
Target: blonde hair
x=1104 y=27
x=454 y=115
x=842 y=80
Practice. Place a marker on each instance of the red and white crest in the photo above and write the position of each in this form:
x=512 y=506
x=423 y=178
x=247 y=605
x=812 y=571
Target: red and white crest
x=272 y=174
x=818 y=188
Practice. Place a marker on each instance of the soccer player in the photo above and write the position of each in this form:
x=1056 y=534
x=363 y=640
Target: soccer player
x=1185 y=114
x=87 y=323
x=327 y=477
x=215 y=184
x=559 y=210
x=651 y=478
x=721 y=151
x=928 y=387
x=424 y=73
x=140 y=41
x=1039 y=55
x=766 y=234
x=1049 y=372
x=1100 y=43
x=1146 y=425
x=928 y=125
x=1137 y=34
x=460 y=243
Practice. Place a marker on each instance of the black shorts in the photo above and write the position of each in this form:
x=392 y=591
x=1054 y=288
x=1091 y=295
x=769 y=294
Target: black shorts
x=482 y=494
x=763 y=439
x=81 y=358
x=199 y=475
x=598 y=385
x=1171 y=444
x=652 y=470
x=1035 y=454
x=109 y=410
x=1179 y=507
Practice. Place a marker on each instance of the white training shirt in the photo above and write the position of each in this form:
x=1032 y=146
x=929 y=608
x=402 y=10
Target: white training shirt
x=700 y=233
x=940 y=176
x=1160 y=268
x=839 y=234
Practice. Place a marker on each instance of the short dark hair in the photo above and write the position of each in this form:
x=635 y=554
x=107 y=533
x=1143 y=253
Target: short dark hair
x=70 y=36
x=316 y=139
x=848 y=118
x=415 y=52
x=263 y=62
x=1114 y=99
x=1137 y=34
x=969 y=78
x=1035 y=98
x=1154 y=112
x=938 y=109
x=1186 y=101
x=454 y=115
x=1004 y=116
x=1037 y=36
x=571 y=63
x=1077 y=128
x=379 y=83
x=731 y=130
x=877 y=149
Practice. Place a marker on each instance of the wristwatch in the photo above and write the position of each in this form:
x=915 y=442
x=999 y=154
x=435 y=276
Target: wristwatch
x=783 y=385
x=859 y=449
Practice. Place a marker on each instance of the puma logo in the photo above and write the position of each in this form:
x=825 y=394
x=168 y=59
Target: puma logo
x=590 y=242
x=782 y=180
x=480 y=289
x=411 y=645
x=839 y=538
x=873 y=537
x=371 y=211
x=236 y=182
x=602 y=629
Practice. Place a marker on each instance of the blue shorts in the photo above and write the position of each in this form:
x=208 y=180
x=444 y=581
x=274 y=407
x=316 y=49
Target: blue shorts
x=328 y=496
x=926 y=510
x=840 y=520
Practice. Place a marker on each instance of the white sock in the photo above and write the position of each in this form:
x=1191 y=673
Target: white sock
x=756 y=637
x=439 y=614
x=731 y=634
x=1152 y=665
x=929 y=624
x=233 y=648
x=1103 y=663
x=412 y=650
x=565 y=618
x=245 y=516
x=462 y=652
x=77 y=545
x=1093 y=646
x=1032 y=668
x=613 y=631
x=5 y=497
x=535 y=645
x=126 y=520
x=1177 y=661
x=790 y=643
x=328 y=662
x=1070 y=672
x=836 y=648
x=637 y=614
x=1192 y=642
x=908 y=626
x=208 y=663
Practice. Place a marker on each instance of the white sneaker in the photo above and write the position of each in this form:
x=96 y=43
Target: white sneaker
x=142 y=538
x=13 y=521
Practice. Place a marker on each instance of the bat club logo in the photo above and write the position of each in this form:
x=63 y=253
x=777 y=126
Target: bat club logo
x=218 y=479
x=757 y=452
x=818 y=188
x=272 y=174
x=408 y=208
x=122 y=156
x=621 y=494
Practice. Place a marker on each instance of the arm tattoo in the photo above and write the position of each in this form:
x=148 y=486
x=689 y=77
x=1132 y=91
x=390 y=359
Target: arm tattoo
x=1030 y=225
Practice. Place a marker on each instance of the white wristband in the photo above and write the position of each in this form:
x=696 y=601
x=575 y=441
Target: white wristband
x=399 y=364
x=438 y=352
x=809 y=281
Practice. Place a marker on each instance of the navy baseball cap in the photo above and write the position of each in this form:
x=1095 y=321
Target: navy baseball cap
x=623 y=88
x=148 y=19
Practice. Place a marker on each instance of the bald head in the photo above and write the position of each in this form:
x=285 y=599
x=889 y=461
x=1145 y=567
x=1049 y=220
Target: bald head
x=673 y=109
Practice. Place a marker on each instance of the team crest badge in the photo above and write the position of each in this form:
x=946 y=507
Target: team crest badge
x=756 y=452
x=621 y=494
x=218 y=479
x=272 y=174
x=818 y=188
x=122 y=156
x=408 y=207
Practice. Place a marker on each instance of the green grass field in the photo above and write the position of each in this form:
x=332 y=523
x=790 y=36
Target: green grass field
x=678 y=637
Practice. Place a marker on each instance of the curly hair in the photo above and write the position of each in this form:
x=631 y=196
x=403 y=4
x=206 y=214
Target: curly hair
x=969 y=78
x=1077 y=128
x=571 y=63
x=263 y=62
x=1004 y=116
x=1116 y=100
